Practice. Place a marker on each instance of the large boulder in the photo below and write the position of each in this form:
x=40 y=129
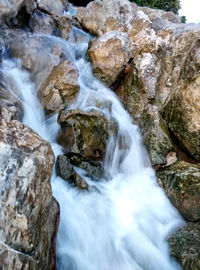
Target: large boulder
x=86 y=133
x=181 y=182
x=184 y=246
x=60 y=88
x=28 y=213
x=100 y=17
x=109 y=54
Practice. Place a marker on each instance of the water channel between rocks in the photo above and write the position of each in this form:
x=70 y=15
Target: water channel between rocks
x=121 y=223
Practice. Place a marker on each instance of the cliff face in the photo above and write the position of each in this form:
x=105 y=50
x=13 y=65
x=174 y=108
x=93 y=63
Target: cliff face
x=151 y=61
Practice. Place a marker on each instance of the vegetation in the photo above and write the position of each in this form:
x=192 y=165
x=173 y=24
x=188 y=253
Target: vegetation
x=167 y=5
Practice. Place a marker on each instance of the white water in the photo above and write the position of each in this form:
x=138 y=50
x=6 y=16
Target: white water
x=124 y=223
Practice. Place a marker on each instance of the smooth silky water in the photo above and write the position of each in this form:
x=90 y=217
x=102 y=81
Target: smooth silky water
x=123 y=222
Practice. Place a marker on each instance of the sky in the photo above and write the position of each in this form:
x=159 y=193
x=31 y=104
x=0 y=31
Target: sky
x=191 y=9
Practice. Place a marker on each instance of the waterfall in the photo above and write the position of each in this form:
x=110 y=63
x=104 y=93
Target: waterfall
x=124 y=222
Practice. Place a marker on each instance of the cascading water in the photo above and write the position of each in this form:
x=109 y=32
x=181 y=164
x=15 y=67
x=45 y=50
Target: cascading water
x=123 y=223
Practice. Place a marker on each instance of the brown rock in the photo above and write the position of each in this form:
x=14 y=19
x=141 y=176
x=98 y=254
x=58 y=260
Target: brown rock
x=60 y=89
x=86 y=133
x=138 y=87
x=64 y=25
x=109 y=54
x=28 y=211
x=100 y=17
x=183 y=115
x=181 y=183
x=15 y=260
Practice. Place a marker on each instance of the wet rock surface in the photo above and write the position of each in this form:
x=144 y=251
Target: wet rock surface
x=67 y=172
x=29 y=211
x=181 y=182
x=86 y=133
x=60 y=88
x=10 y=106
x=184 y=246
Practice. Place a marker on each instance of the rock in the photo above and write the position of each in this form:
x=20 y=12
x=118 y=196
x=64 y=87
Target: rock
x=100 y=17
x=183 y=117
x=28 y=212
x=16 y=12
x=93 y=169
x=60 y=88
x=109 y=54
x=182 y=185
x=9 y=9
x=86 y=133
x=65 y=170
x=53 y=7
x=104 y=16
x=13 y=259
x=42 y=23
x=155 y=134
x=10 y=106
x=64 y=25
x=153 y=14
x=39 y=54
x=138 y=86
x=184 y=246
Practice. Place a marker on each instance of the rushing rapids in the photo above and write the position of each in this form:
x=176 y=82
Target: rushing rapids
x=123 y=222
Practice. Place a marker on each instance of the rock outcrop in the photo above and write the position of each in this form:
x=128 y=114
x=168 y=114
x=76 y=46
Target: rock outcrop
x=28 y=213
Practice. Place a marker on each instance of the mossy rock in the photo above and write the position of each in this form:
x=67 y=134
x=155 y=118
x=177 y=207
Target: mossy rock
x=181 y=182
x=185 y=246
x=86 y=133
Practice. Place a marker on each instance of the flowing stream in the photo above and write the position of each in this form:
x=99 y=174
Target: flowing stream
x=122 y=223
